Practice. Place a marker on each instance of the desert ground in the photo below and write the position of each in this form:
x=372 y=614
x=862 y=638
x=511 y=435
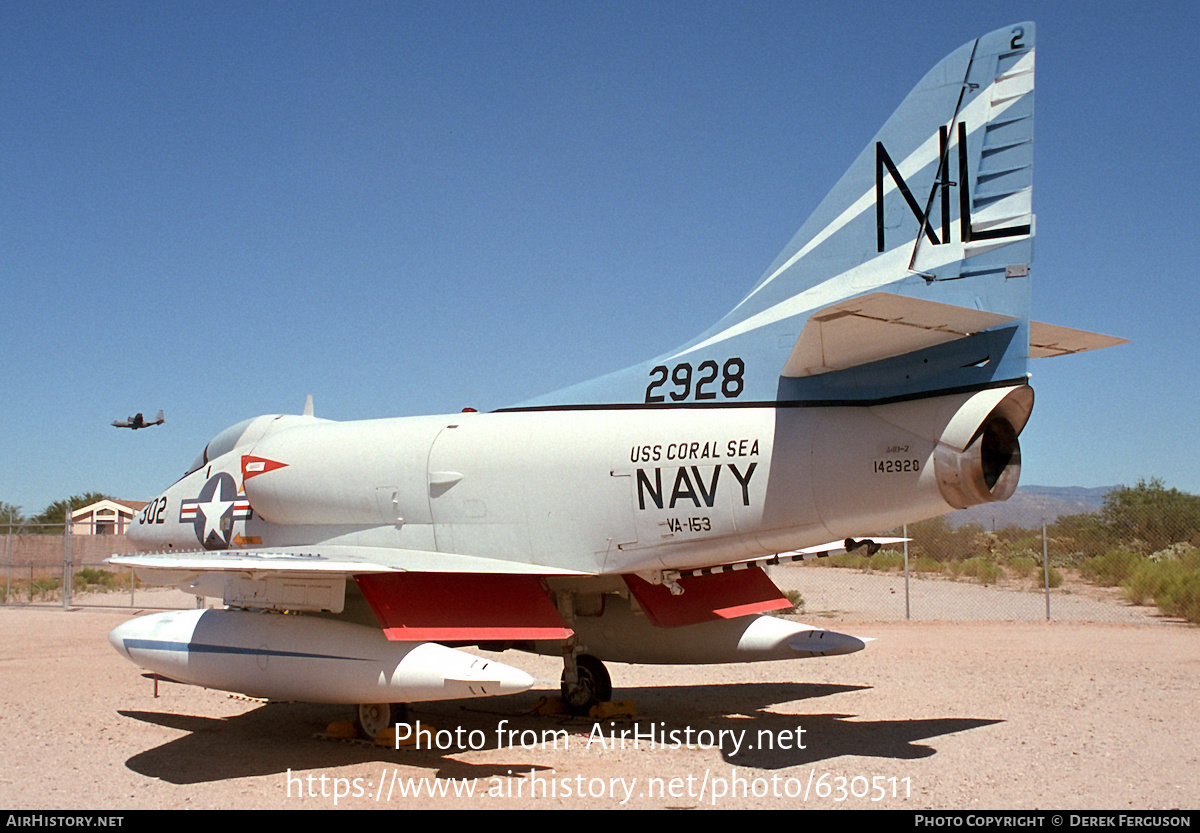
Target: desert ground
x=1053 y=715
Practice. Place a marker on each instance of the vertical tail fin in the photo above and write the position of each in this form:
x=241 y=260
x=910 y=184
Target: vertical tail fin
x=910 y=278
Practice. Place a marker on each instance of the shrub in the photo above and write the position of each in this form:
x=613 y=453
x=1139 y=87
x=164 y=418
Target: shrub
x=983 y=570
x=1146 y=581
x=44 y=587
x=886 y=561
x=1151 y=513
x=797 y=601
x=924 y=564
x=852 y=560
x=1179 y=595
x=938 y=540
x=86 y=578
x=1076 y=537
x=1112 y=568
x=1055 y=577
x=1021 y=566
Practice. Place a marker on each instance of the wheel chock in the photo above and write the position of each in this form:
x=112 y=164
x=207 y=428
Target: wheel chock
x=341 y=730
x=614 y=708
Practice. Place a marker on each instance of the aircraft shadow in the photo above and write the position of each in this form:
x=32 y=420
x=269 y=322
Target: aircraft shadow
x=771 y=740
x=278 y=738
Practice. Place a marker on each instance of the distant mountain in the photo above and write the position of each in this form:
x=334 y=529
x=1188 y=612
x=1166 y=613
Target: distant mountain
x=1093 y=497
x=1031 y=504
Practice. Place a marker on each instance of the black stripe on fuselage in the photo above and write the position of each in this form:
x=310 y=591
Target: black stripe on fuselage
x=793 y=403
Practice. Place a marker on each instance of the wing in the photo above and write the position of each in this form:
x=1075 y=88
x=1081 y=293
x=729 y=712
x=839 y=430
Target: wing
x=323 y=558
x=414 y=594
x=420 y=595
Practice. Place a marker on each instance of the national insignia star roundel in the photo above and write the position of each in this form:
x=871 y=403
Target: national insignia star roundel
x=212 y=513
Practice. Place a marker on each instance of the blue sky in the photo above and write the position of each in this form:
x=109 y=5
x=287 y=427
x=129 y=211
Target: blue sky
x=409 y=208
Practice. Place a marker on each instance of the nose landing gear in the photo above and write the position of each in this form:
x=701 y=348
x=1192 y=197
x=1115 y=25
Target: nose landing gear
x=373 y=718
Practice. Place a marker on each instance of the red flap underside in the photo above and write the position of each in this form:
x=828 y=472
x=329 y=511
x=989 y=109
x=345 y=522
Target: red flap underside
x=705 y=598
x=461 y=607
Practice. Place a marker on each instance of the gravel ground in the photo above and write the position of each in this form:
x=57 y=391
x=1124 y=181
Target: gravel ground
x=831 y=593
x=963 y=715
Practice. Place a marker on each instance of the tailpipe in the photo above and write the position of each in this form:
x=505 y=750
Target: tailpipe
x=978 y=456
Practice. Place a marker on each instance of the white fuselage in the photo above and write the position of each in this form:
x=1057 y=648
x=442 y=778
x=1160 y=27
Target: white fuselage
x=594 y=491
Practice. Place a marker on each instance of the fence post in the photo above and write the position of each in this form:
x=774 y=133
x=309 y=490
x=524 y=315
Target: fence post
x=907 y=610
x=8 y=569
x=1045 y=562
x=67 y=559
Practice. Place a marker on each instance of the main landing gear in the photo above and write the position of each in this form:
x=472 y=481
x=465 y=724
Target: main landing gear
x=591 y=684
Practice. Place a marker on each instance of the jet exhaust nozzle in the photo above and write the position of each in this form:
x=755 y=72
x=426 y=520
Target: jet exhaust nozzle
x=986 y=465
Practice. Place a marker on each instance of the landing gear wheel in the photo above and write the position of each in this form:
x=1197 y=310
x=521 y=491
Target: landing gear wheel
x=373 y=718
x=593 y=685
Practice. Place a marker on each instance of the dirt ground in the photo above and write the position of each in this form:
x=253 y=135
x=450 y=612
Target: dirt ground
x=976 y=715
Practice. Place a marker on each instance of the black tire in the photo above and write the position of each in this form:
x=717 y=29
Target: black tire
x=594 y=686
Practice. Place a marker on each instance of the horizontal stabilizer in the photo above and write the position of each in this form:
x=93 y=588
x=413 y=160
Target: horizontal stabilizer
x=879 y=326
x=1052 y=340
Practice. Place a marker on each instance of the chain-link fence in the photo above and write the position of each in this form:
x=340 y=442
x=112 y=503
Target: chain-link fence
x=63 y=564
x=858 y=590
x=1135 y=559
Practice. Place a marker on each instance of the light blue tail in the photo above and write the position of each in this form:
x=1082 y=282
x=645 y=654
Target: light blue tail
x=910 y=279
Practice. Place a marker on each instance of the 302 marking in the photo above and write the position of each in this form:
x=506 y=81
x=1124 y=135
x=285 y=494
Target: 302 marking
x=152 y=513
